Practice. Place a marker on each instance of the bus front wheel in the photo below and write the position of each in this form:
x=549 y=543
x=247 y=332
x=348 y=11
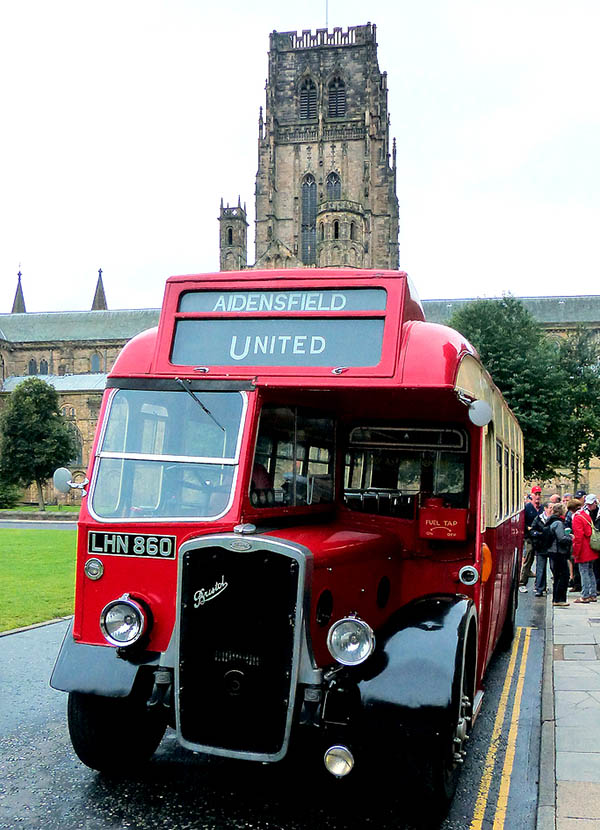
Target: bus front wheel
x=110 y=733
x=438 y=757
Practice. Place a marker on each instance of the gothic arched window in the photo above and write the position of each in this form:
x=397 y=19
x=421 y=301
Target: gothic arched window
x=32 y=368
x=95 y=363
x=230 y=236
x=308 y=99
x=336 y=229
x=77 y=459
x=43 y=367
x=334 y=186
x=337 y=98
x=309 y=219
x=352 y=231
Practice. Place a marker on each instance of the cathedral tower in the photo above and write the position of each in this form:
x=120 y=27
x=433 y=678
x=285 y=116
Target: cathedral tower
x=233 y=232
x=325 y=189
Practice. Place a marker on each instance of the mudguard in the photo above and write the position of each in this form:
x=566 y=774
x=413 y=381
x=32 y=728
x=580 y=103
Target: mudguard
x=96 y=670
x=413 y=680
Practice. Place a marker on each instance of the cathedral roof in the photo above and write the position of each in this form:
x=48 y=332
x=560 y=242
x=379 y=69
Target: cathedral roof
x=94 y=382
x=548 y=311
x=45 y=326
x=123 y=324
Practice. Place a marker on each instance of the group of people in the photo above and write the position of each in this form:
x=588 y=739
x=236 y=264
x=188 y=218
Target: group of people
x=560 y=531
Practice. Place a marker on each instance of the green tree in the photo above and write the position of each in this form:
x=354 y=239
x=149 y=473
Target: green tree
x=579 y=355
x=522 y=362
x=10 y=495
x=34 y=439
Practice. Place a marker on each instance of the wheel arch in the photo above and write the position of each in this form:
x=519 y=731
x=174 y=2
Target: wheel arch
x=97 y=670
x=414 y=680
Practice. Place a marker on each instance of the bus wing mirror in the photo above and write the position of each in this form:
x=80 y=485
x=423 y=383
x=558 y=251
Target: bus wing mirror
x=64 y=483
x=480 y=413
x=62 y=480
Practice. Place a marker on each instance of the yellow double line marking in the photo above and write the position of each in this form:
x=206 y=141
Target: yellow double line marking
x=490 y=760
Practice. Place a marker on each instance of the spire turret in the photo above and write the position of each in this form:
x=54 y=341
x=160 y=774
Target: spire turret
x=19 y=301
x=99 y=303
x=233 y=237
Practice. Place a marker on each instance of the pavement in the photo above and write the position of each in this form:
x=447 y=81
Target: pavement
x=569 y=792
x=39 y=516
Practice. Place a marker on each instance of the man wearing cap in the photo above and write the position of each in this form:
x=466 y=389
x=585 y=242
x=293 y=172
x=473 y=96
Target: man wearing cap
x=533 y=509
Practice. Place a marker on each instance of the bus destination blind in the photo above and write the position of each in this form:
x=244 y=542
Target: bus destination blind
x=278 y=342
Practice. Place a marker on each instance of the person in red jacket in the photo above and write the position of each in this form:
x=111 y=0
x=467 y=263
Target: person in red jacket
x=583 y=555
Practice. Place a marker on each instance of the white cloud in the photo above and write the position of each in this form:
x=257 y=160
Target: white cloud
x=125 y=123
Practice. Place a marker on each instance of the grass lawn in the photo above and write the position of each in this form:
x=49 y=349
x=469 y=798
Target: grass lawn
x=37 y=575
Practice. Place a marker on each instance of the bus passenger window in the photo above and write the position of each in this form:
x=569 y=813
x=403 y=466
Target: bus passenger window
x=293 y=461
x=388 y=469
x=500 y=480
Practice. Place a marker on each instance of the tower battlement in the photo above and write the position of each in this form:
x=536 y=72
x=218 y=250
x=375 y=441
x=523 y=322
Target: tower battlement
x=353 y=36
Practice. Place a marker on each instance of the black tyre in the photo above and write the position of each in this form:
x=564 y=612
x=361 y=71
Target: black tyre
x=510 y=625
x=439 y=757
x=101 y=726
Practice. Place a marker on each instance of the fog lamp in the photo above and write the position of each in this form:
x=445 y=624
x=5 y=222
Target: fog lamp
x=123 y=621
x=468 y=575
x=339 y=761
x=350 y=641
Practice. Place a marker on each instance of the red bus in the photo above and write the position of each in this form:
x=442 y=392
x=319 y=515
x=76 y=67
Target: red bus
x=303 y=527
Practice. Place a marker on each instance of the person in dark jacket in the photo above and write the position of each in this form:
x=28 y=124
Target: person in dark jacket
x=559 y=551
x=573 y=505
x=541 y=543
x=533 y=508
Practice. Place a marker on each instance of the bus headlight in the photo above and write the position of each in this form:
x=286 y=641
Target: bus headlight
x=123 y=621
x=350 y=641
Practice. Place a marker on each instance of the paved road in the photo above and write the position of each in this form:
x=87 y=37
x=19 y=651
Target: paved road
x=22 y=523
x=43 y=785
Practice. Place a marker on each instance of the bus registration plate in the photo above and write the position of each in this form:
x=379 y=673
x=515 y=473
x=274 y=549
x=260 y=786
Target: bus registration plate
x=132 y=544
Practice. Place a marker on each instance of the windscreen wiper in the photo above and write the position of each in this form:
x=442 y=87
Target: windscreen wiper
x=184 y=385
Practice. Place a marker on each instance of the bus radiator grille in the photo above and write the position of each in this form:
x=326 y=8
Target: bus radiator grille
x=236 y=648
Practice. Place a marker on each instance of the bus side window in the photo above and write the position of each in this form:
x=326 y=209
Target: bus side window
x=389 y=478
x=293 y=459
x=500 y=510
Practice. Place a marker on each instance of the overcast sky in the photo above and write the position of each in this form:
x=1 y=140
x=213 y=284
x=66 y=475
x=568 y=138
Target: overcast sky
x=124 y=123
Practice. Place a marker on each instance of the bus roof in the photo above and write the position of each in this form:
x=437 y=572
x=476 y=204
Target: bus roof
x=335 y=327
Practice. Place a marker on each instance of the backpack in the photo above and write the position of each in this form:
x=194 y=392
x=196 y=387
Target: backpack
x=595 y=537
x=542 y=536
